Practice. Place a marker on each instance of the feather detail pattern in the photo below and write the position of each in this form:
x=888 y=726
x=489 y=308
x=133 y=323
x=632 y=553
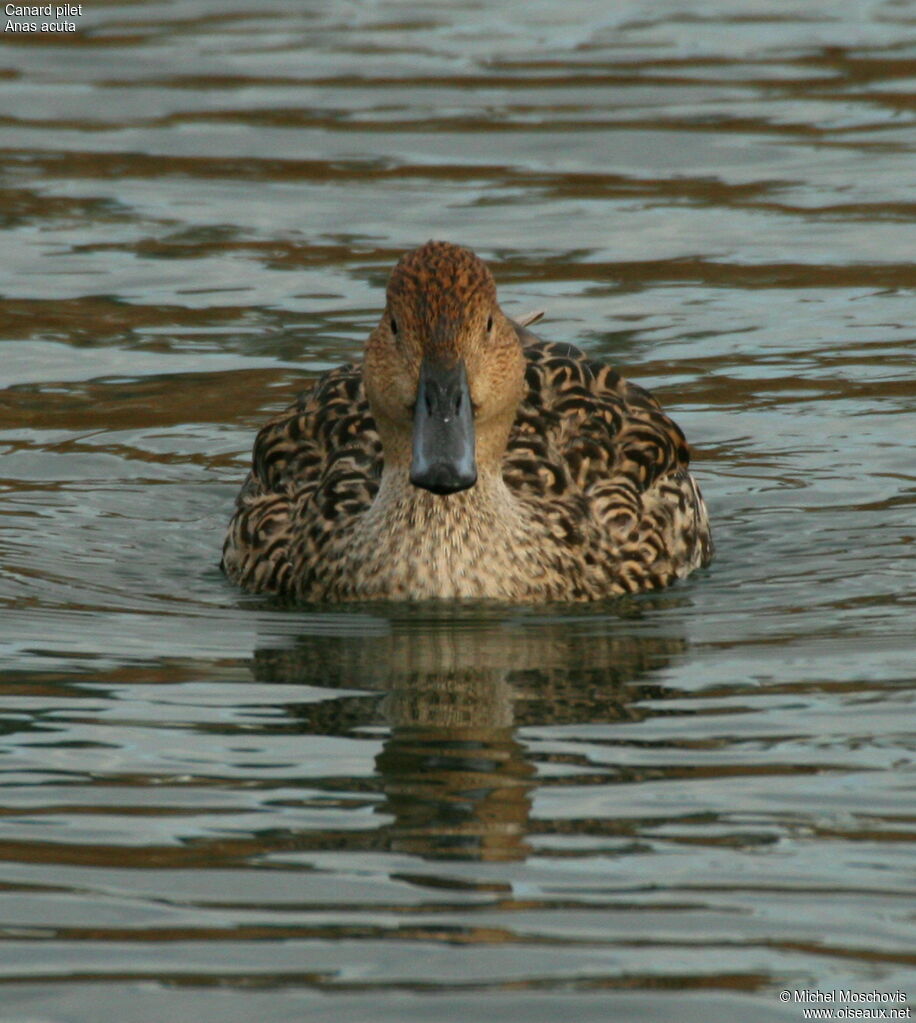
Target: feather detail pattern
x=592 y=497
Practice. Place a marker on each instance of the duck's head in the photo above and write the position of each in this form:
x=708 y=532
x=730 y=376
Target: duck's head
x=444 y=369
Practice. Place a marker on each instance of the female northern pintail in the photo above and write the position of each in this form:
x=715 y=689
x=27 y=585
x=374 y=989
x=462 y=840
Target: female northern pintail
x=466 y=458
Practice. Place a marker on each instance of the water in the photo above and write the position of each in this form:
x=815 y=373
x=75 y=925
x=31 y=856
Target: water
x=672 y=807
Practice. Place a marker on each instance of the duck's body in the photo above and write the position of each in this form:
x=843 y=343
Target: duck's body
x=567 y=483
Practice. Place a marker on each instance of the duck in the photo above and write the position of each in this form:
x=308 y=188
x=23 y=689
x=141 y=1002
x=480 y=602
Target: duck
x=464 y=458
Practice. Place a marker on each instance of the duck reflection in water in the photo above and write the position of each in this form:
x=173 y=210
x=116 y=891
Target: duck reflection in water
x=453 y=689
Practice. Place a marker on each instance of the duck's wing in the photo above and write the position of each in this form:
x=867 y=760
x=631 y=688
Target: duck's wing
x=596 y=420
x=314 y=463
x=600 y=453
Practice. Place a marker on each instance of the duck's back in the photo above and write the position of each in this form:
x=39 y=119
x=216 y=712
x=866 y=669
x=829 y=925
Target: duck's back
x=600 y=470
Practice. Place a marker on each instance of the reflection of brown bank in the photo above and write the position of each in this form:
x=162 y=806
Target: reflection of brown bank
x=453 y=689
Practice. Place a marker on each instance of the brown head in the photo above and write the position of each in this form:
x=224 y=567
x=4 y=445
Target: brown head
x=444 y=369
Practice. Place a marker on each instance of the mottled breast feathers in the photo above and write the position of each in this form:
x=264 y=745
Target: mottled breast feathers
x=597 y=468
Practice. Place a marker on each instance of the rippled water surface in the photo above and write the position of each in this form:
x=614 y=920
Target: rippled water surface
x=674 y=807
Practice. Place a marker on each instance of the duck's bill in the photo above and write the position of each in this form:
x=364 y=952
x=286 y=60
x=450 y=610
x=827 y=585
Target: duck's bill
x=443 y=429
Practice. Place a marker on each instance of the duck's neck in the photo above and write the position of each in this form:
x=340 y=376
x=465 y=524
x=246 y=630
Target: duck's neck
x=488 y=509
x=415 y=544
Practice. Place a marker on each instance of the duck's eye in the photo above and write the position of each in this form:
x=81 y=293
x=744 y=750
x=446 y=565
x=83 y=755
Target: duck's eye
x=394 y=325
x=489 y=324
